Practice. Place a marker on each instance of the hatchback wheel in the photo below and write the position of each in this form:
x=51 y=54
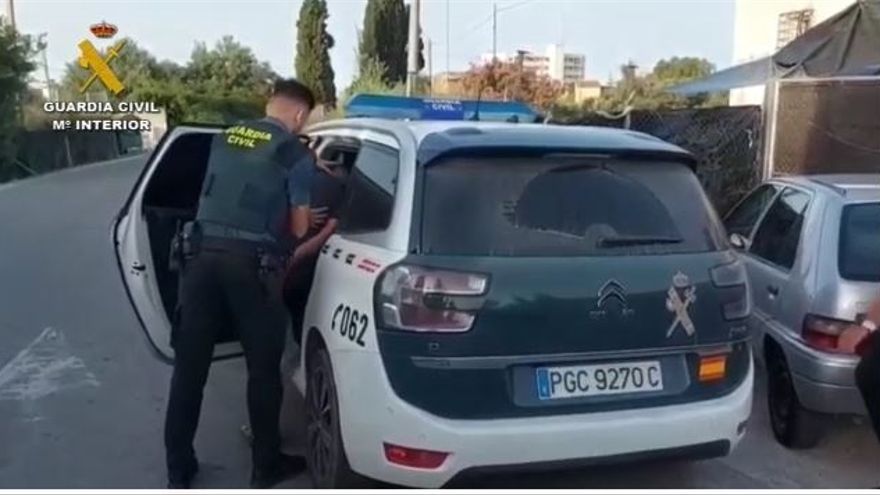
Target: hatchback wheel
x=793 y=425
x=325 y=455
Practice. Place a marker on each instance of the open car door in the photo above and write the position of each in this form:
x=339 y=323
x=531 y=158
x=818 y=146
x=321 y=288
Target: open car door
x=164 y=197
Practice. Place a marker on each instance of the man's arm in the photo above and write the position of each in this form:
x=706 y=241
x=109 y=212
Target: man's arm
x=874 y=311
x=311 y=246
x=299 y=184
x=299 y=221
x=854 y=335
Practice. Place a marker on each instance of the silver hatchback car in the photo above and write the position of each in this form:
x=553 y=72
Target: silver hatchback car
x=811 y=246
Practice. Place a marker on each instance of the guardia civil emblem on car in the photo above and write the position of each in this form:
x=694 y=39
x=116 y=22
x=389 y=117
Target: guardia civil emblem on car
x=679 y=297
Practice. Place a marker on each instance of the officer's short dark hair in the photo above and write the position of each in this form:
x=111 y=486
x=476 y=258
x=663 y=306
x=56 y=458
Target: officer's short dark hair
x=295 y=90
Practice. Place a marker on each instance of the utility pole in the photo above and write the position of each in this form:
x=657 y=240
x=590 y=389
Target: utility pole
x=10 y=11
x=49 y=92
x=412 y=66
x=447 y=44
x=494 y=32
x=430 y=67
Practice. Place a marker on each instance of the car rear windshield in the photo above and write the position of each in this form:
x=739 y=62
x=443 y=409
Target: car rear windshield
x=860 y=242
x=564 y=206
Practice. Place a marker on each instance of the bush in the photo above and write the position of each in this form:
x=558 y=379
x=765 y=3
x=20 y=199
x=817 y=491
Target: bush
x=371 y=79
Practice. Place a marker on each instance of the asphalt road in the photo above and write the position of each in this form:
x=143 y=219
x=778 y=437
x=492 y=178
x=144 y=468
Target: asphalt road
x=82 y=398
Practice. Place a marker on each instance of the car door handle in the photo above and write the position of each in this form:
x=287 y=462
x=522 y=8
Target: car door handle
x=138 y=266
x=773 y=290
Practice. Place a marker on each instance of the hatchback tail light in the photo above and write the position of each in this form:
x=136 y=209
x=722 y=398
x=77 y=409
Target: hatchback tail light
x=823 y=333
x=732 y=277
x=419 y=299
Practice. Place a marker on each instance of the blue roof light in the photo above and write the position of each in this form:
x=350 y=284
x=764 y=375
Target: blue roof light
x=399 y=107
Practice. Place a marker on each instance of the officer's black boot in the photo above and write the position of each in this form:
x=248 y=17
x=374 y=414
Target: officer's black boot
x=182 y=480
x=286 y=467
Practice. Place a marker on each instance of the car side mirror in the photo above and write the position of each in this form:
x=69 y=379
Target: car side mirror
x=739 y=241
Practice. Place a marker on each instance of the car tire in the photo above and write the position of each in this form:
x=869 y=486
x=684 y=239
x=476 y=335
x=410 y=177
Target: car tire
x=325 y=456
x=793 y=425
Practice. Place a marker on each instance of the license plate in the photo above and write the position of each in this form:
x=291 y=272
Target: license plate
x=564 y=382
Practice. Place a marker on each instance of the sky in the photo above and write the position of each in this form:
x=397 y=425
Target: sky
x=607 y=32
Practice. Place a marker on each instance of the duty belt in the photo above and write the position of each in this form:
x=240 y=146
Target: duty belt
x=224 y=232
x=239 y=246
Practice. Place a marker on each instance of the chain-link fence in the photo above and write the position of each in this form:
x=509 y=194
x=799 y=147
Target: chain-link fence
x=827 y=126
x=725 y=140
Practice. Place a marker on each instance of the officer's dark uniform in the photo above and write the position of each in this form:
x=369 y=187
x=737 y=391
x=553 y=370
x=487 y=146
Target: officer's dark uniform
x=868 y=379
x=256 y=172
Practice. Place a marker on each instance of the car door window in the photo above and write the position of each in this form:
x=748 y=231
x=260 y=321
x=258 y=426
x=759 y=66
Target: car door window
x=371 y=188
x=743 y=218
x=779 y=233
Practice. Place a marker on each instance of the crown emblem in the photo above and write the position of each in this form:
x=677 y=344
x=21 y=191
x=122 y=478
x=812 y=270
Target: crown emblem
x=103 y=30
x=681 y=280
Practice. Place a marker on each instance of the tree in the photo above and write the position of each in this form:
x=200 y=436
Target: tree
x=382 y=38
x=228 y=69
x=134 y=66
x=371 y=80
x=16 y=52
x=313 y=43
x=508 y=81
x=218 y=85
x=680 y=69
x=405 y=29
x=649 y=92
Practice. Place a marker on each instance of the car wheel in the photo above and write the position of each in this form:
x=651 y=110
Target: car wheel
x=793 y=425
x=325 y=455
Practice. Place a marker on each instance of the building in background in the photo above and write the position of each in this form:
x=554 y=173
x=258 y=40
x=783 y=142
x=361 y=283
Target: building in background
x=578 y=92
x=764 y=26
x=448 y=84
x=568 y=68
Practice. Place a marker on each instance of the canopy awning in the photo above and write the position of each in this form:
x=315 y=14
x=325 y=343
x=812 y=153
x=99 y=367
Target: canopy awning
x=844 y=45
x=748 y=74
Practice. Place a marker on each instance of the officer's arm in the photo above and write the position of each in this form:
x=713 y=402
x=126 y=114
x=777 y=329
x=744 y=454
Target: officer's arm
x=299 y=184
x=311 y=246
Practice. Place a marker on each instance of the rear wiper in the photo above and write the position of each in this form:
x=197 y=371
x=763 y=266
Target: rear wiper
x=636 y=240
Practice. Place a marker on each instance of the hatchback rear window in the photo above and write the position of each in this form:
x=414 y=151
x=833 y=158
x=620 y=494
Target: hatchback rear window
x=860 y=243
x=558 y=206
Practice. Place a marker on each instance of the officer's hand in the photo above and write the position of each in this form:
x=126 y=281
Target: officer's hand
x=317 y=216
x=850 y=339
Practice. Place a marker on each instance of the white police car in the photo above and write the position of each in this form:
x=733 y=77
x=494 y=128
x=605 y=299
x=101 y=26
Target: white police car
x=496 y=296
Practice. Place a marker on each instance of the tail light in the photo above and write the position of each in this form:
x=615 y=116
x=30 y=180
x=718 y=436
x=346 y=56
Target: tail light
x=737 y=303
x=417 y=458
x=823 y=333
x=419 y=299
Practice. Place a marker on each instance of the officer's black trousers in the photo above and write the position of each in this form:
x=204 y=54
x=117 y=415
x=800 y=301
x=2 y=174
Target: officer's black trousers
x=868 y=380
x=220 y=289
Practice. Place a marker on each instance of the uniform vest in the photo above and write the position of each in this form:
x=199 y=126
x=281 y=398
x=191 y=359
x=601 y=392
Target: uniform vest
x=245 y=186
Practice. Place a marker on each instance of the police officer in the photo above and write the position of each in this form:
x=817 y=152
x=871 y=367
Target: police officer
x=253 y=205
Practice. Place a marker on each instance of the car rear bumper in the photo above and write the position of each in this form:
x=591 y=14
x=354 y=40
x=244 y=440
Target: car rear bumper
x=824 y=382
x=829 y=398
x=371 y=415
x=709 y=450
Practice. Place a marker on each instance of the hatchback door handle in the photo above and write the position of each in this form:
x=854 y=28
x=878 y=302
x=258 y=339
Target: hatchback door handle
x=773 y=290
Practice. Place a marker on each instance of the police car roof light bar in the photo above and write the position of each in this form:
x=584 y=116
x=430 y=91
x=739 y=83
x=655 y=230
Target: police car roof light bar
x=403 y=108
